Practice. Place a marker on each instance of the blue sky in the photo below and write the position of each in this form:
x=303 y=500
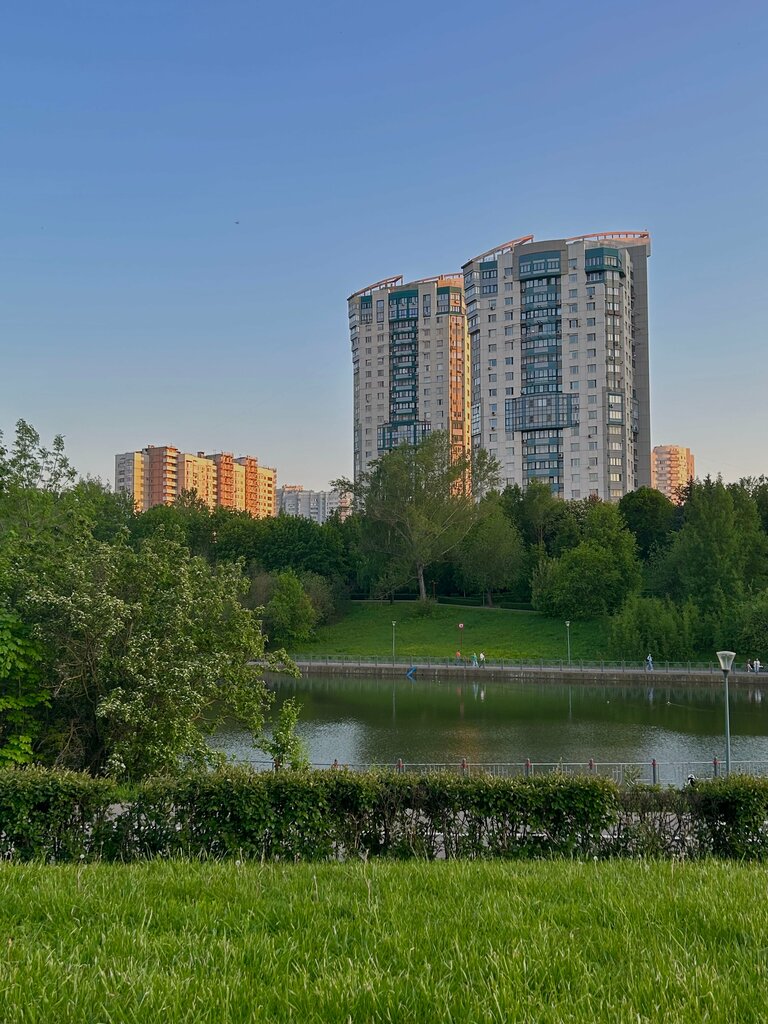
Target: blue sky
x=353 y=142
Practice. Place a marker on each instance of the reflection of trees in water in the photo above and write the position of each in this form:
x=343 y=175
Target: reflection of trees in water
x=692 y=709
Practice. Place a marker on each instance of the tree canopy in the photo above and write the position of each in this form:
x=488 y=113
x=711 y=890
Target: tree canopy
x=419 y=504
x=117 y=653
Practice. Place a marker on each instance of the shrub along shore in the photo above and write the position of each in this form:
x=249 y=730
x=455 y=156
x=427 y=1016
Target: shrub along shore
x=342 y=815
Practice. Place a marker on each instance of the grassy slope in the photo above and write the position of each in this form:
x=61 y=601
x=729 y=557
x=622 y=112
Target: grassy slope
x=500 y=633
x=415 y=942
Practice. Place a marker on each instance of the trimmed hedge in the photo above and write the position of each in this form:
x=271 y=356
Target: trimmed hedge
x=329 y=815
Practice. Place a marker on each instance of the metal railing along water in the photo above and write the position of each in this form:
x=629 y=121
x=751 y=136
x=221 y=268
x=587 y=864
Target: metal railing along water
x=533 y=665
x=662 y=773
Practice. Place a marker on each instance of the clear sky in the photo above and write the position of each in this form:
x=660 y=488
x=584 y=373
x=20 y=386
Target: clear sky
x=190 y=190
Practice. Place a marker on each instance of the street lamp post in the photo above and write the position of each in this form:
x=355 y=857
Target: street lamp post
x=394 y=623
x=568 y=638
x=461 y=627
x=726 y=660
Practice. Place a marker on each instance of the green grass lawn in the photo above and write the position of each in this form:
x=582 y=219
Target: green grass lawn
x=546 y=942
x=500 y=633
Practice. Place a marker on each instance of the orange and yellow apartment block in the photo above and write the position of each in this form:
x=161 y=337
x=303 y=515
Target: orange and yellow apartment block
x=158 y=474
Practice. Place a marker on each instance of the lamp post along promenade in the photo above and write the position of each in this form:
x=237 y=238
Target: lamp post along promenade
x=726 y=661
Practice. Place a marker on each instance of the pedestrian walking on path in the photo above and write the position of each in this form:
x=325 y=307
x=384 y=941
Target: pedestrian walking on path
x=474 y=660
x=649 y=664
x=482 y=660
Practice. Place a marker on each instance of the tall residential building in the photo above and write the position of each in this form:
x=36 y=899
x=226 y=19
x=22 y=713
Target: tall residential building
x=158 y=475
x=129 y=477
x=410 y=355
x=225 y=478
x=559 y=361
x=672 y=467
x=161 y=475
x=319 y=506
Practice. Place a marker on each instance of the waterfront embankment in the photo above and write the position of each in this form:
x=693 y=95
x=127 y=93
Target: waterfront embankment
x=436 y=669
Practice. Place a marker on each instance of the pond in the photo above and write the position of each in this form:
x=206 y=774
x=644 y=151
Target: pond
x=376 y=721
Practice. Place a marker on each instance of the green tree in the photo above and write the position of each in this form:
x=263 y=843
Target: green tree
x=748 y=626
x=650 y=516
x=491 y=555
x=419 y=505
x=545 y=522
x=21 y=689
x=113 y=656
x=188 y=520
x=30 y=467
x=289 y=616
x=143 y=651
x=719 y=553
x=321 y=595
x=285 y=746
x=596 y=576
x=652 y=625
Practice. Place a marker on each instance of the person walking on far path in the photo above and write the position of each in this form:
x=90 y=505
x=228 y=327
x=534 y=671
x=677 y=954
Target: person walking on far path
x=482 y=660
x=474 y=660
x=757 y=665
x=649 y=664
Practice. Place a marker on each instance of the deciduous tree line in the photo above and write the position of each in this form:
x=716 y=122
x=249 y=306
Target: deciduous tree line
x=124 y=637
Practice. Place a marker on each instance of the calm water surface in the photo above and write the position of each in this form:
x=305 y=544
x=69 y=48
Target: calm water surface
x=375 y=721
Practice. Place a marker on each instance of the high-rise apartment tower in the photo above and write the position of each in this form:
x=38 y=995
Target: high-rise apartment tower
x=559 y=361
x=672 y=467
x=410 y=356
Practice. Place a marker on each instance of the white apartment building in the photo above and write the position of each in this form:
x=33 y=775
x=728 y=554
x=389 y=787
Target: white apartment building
x=129 y=477
x=294 y=500
x=559 y=361
x=410 y=354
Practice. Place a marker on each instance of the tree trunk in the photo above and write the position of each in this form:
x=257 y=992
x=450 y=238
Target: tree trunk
x=422 y=587
x=489 y=598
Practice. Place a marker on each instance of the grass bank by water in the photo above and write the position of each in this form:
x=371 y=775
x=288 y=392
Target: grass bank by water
x=549 y=942
x=500 y=633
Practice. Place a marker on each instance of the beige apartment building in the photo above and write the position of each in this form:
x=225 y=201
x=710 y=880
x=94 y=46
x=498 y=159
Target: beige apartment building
x=559 y=361
x=538 y=353
x=265 y=501
x=672 y=468
x=157 y=475
x=410 y=358
x=197 y=473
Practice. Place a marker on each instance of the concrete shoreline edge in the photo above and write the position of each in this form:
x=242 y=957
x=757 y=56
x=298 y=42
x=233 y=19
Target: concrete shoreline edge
x=572 y=674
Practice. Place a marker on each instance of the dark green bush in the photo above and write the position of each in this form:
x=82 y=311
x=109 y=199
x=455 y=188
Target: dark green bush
x=732 y=816
x=338 y=814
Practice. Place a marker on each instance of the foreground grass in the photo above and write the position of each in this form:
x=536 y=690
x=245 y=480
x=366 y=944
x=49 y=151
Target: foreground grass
x=416 y=942
x=500 y=633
